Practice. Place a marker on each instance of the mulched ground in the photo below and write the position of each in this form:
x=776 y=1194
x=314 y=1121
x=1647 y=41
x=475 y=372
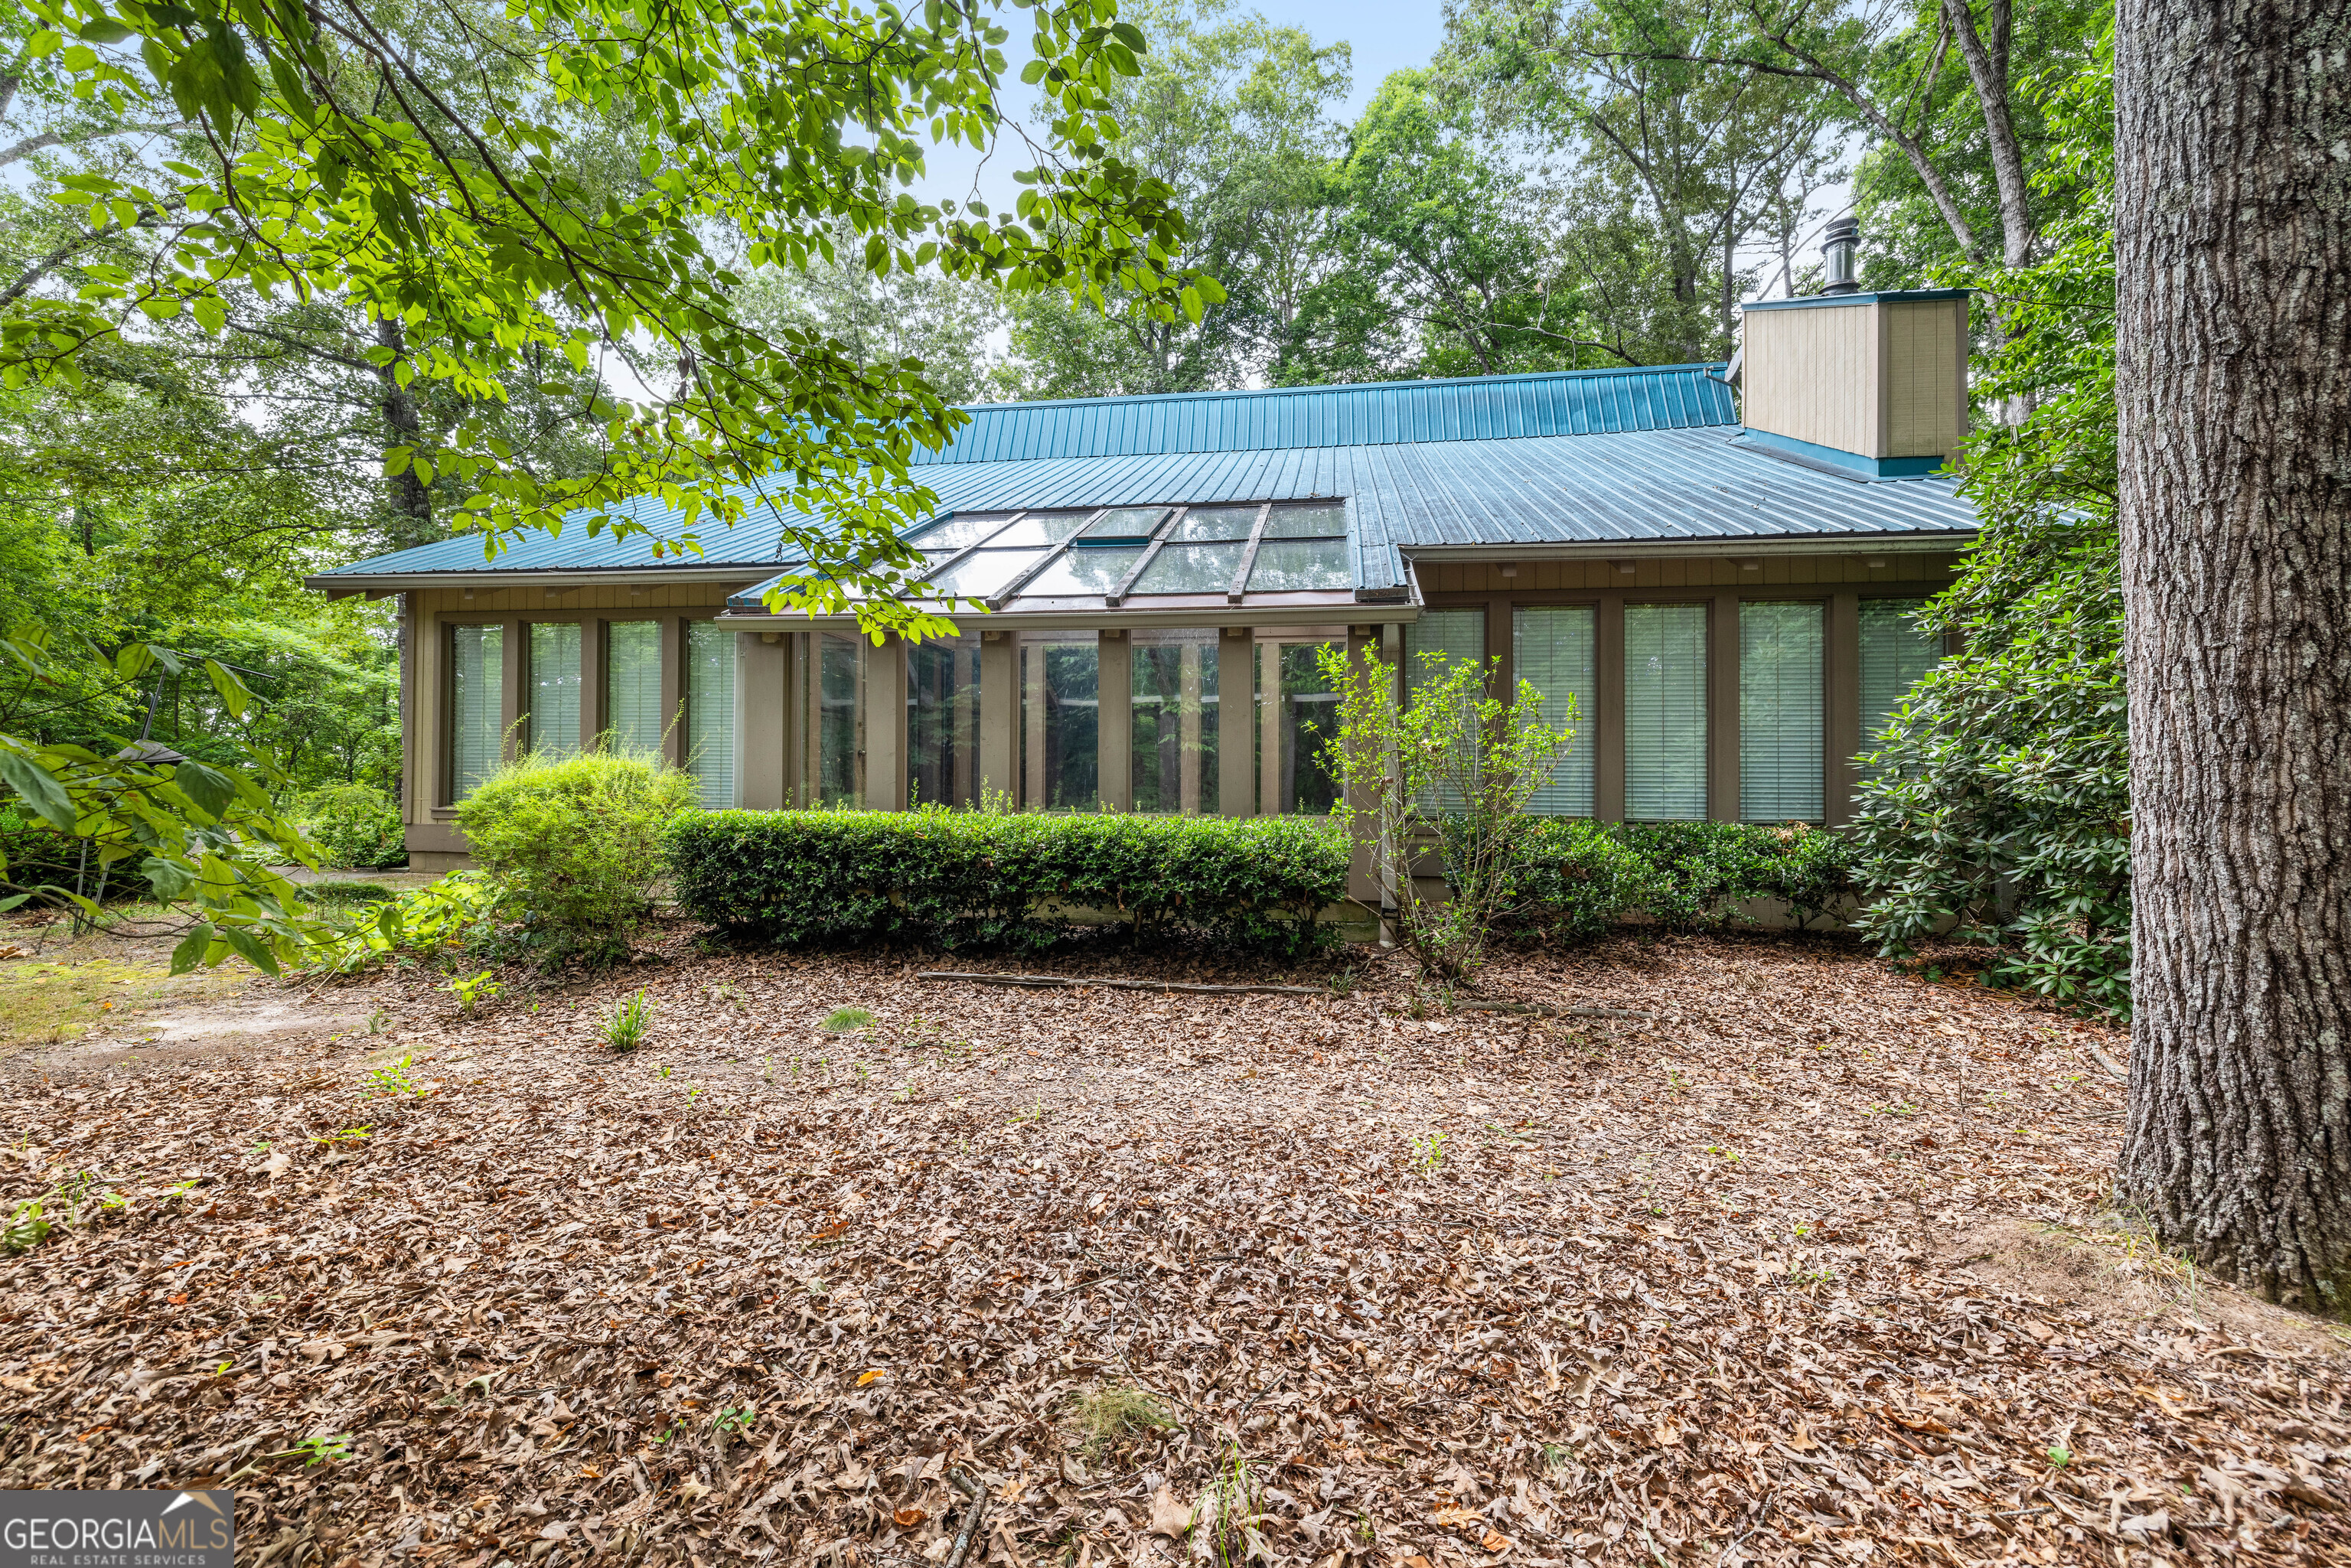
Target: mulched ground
x=1804 y=1265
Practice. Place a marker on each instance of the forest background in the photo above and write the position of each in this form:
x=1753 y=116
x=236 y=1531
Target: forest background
x=1566 y=184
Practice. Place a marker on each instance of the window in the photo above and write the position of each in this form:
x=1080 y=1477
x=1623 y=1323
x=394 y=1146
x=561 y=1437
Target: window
x=1665 y=713
x=476 y=705
x=1061 y=724
x=710 y=712
x=1556 y=648
x=839 y=719
x=1305 y=720
x=1439 y=639
x=554 y=695
x=1175 y=721
x=632 y=714
x=1894 y=654
x=943 y=723
x=1780 y=713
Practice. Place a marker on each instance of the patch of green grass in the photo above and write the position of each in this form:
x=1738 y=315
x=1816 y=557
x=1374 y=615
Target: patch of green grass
x=843 y=1020
x=1114 y=1415
x=348 y=892
x=43 y=1003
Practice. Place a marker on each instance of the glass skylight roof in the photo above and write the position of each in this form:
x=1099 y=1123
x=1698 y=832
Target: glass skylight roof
x=1092 y=572
x=1127 y=556
x=1192 y=569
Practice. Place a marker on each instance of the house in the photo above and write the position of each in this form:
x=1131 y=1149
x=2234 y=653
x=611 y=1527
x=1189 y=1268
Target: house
x=1725 y=602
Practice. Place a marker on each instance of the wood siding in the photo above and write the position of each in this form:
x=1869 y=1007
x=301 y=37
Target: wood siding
x=1876 y=379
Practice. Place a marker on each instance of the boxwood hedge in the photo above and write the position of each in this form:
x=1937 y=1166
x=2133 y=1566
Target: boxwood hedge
x=975 y=879
x=1574 y=880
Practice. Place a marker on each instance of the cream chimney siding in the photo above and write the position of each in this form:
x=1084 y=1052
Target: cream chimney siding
x=1879 y=378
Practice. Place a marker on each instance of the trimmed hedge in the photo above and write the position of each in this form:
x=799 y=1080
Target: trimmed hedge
x=954 y=879
x=1574 y=880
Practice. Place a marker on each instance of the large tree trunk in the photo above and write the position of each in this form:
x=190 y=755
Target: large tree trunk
x=411 y=502
x=2234 y=229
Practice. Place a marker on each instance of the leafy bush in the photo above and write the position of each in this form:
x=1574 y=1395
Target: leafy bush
x=1571 y=880
x=573 y=846
x=356 y=828
x=36 y=854
x=1449 y=744
x=978 y=879
x=448 y=916
x=1998 y=805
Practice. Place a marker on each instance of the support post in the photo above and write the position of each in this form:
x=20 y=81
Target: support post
x=1114 y=720
x=999 y=712
x=885 y=726
x=1236 y=724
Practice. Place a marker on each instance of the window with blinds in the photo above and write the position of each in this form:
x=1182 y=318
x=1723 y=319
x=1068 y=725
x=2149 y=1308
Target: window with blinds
x=839 y=719
x=553 y=693
x=1555 y=648
x=710 y=712
x=1665 y=713
x=1894 y=654
x=1432 y=645
x=1782 y=715
x=632 y=714
x=474 y=732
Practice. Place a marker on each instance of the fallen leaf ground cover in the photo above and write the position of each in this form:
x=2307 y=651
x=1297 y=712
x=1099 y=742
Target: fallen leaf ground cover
x=1775 y=1255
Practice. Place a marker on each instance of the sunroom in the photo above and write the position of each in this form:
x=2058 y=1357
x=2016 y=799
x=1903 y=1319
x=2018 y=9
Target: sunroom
x=1727 y=603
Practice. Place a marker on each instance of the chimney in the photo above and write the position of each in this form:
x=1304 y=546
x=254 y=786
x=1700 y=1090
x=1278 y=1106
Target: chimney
x=1836 y=257
x=1873 y=386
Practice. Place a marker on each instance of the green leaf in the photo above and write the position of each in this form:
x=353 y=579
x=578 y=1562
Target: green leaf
x=192 y=948
x=39 y=789
x=210 y=789
x=169 y=879
x=249 y=948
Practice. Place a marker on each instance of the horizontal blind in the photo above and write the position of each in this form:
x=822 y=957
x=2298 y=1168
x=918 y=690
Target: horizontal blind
x=555 y=687
x=1894 y=654
x=474 y=732
x=1781 y=712
x=710 y=711
x=1439 y=639
x=1665 y=713
x=840 y=720
x=1556 y=648
x=633 y=712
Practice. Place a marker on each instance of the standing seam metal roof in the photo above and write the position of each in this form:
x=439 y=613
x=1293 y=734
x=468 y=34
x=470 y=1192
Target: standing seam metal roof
x=1685 y=478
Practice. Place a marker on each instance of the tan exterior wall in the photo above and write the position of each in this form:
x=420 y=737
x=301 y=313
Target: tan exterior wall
x=1838 y=583
x=774 y=678
x=1876 y=379
x=1811 y=375
x=433 y=841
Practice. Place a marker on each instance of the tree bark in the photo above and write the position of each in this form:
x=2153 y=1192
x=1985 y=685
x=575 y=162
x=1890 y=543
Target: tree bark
x=411 y=502
x=2233 y=234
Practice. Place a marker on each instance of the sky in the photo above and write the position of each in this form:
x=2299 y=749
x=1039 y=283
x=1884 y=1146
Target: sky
x=1387 y=34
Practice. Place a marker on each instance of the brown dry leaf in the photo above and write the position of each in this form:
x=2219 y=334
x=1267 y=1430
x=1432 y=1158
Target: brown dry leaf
x=1793 y=1274
x=1168 y=1517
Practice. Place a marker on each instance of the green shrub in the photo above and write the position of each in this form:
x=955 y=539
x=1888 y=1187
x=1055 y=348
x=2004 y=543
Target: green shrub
x=356 y=826
x=1573 y=880
x=975 y=879
x=450 y=916
x=342 y=893
x=573 y=846
x=38 y=855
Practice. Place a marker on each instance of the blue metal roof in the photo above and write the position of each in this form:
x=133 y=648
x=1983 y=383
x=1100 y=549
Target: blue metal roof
x=1371 y=414
x=1500 y=485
